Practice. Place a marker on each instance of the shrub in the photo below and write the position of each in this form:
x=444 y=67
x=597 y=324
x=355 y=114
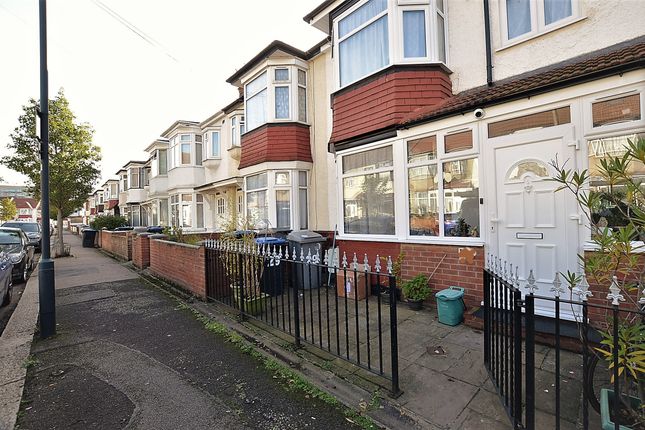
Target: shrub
x=417 y=289
x=108 y=222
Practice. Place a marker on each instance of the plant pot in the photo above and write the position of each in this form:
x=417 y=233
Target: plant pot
x=252 y=305
x=606 y=406
x=415 y=305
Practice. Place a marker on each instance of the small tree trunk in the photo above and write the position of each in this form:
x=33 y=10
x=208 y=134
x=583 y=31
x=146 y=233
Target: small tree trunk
x=59 y=228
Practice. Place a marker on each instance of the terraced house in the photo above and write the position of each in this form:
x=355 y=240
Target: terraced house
x=421 y=128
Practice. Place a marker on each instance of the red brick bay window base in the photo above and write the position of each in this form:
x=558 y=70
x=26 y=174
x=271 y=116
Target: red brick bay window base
x=276 y=142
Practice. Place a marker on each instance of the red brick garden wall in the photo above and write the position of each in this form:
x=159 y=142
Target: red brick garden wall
x=141 y=250
x=117 y=243
x=182 y=264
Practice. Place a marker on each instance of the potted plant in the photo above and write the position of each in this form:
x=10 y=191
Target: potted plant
x=615 y=215
x=416 y=290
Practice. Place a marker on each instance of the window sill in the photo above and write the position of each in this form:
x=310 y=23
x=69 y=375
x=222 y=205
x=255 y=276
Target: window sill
x=462 y=241
x=514 y=42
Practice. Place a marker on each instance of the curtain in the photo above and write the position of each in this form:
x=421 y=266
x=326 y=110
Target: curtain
x=518 y=17
x=414 y=33
x=361 y=15
x=282 y=102
x=256 y=110
x=368 y=160
x=364 y=51
x=555 y=10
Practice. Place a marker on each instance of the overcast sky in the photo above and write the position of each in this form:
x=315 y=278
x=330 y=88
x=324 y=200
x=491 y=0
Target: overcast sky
x=129 y=89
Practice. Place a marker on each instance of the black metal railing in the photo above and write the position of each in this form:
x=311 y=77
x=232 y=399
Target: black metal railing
x=510 y=349
x=346 y=309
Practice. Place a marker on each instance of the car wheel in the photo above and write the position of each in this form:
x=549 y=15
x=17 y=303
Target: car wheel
x=7 y=297
x=25 y=273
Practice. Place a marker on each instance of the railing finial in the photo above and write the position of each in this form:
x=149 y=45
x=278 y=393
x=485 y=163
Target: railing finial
x=557 y=285
x=530 y=283
x=614 y=292
x=377 y=264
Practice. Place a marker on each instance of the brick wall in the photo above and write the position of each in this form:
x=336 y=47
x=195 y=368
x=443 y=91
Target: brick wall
x=117 y=243
x=141 y=250
x=184 y=265
x=276 y=142
x=382 y=100
x=454 y=269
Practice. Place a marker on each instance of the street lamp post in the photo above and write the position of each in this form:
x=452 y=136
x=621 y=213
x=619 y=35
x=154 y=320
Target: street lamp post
x=46 y=283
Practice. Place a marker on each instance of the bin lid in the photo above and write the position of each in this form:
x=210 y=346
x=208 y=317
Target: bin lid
x=452 y=293
x=270 y=241
x=305 y=236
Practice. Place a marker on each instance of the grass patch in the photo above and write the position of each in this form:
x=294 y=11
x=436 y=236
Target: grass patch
x=30 y=362
x=289 y=378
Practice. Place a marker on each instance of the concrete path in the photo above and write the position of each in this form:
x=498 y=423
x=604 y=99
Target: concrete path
x=127 y=357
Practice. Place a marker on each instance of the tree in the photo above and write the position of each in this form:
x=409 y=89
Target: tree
x=73 y=158
x=8 y=209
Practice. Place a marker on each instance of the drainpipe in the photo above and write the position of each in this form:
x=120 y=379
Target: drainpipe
x=489 y=54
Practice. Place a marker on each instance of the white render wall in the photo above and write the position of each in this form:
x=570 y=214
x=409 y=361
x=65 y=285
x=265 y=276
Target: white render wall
x=602 y=23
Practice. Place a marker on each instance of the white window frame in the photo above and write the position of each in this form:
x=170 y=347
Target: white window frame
x=615 y=93
x=267 y=88
x=220 y=206
x=208 y=141
x=538 y=26
x=395 y=35
x=297 y=95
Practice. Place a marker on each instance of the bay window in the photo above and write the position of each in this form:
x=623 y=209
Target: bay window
x=185 y=150
x=368 y=192
x=281 y=98
x=135 y=173
x=162 y=160
x=237 y=129
x=124 y=182
x=376 y=33
x=525 y=18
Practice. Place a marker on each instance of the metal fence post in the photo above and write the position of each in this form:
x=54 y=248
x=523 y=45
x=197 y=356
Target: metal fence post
x=240 y=268
x=296 y=308
x=394 y=346
x=530 y=361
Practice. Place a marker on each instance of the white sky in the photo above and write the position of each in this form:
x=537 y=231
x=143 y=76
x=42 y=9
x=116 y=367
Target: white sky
x=128 y=90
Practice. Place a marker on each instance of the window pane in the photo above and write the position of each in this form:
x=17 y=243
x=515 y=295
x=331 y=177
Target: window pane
x=536 y=168
x=302 y=207
x=368 y=203
x=163 y=212
x=282 y=102
x=215 y=148
x=609 y=212
x=256 y=206
x=302 y=179
x=283 y=208
x=364 y=52
x=198 y=154
x=441 y=39
x=186 y=217
x=185 y=137
x=200 y=216
x=256 y=109
x=281 y=74
x=302 y=104
x=360 y=16
x=302 y=77
x=186 y=197
x=414 y=33
x=555 y=10
x=617 y=110
x=548 y=118
x=368 y=160
x=163 y=162
x=518 y=16
x=423 y=193
x=185 y=153
x=423 y=149
x=256 y=181
x=282 y=178
x=458 y=141
x=199 y=198
x=198 y=138
x=461 y=198
x=256 y=85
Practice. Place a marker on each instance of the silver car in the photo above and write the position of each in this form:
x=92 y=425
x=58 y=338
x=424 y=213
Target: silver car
x=6 y=284
x=20 y=249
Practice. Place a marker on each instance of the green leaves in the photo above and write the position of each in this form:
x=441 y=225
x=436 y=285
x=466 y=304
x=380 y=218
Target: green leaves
x=73 y=158
x=8 y=209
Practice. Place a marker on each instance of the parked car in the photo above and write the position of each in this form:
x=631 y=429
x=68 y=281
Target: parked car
x=17 y=245
x=6 y=284
x=31 y=229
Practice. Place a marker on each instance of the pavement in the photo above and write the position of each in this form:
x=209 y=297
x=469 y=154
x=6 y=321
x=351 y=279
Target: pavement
x=127 y=356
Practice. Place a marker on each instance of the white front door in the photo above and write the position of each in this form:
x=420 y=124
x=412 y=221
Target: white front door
x=536 y=228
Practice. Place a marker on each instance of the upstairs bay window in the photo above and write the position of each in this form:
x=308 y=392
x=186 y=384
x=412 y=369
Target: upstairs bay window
x=183 y=148
x=213 y=147
x=237 y=129
x=273 y=100
x=376 y=33
x=159 y=165
x=525 y=18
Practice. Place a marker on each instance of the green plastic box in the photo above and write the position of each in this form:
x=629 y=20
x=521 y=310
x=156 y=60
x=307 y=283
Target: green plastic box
x=450 y=305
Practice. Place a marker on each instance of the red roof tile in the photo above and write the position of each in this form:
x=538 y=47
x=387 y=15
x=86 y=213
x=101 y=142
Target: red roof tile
x=616 y=59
